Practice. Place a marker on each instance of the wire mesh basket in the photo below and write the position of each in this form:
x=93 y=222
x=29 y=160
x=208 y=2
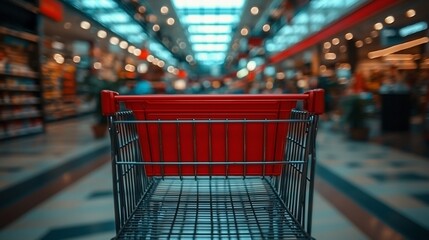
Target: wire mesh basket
x=213 y=166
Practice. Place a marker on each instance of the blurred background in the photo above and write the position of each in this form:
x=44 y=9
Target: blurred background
x=370 y=56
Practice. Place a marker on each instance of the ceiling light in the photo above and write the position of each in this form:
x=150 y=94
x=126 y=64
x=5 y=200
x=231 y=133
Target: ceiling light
x=378 y=26
x=85 y=25
x=389 y=19
x=254 y=10
x=76 y=59
x=142 y=9
x=348 y=36
x=374 y=34
x=170 y=21
x=170 y=69
x=114 y=40
x=343 y=49
x=97 y=65
x=210 y=38
x=210 y=19
x=150 y=58
x=330 y=56
x=244 y=31
x=67 y=25
x=251 y=65
x=155 y=28
x=142 y=68
x=359 y=44
x=327 y=45
x=131 y=49
x=137 y=52
x=102 y=34
x=335 y=41
x=130 y=68
x=209 y=47
x=368 y=40
x=209 y=29
x=123 y=44
x=182 y=45
x=189 y=58
x=397 y=48
x=266 y=27
x=160 y=63
x=164 y=10
x=411 y=13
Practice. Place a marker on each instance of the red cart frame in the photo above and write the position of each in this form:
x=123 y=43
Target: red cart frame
x=213 y=166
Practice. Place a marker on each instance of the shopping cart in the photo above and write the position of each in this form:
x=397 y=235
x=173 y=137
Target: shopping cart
x=213 y=166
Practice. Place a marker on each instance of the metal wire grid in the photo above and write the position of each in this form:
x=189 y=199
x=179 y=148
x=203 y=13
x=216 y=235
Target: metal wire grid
x=217 y=208
x=144 y=207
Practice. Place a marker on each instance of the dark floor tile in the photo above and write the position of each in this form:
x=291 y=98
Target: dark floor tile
x=382 y=177
x=100 y=194
x=423 y=197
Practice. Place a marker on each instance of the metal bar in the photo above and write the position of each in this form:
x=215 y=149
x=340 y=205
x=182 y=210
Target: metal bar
x=194 y=138
x=179 y=152
x=209 y=121
x=244 y=148
x=212 y=163
x=161 y=149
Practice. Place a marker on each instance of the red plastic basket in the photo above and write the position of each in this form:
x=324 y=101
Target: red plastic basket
x=218 y=137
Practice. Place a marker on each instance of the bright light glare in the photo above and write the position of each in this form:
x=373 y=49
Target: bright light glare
x=251 y=65
x=220 y=4
x=85 y=25
x=204 y=56
x=210 y=19
x=209 y=29
x=118 y=17
x=218 y=38
x=209 y=47
x=102 y=34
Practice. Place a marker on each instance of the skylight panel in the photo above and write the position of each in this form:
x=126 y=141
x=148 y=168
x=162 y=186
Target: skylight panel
x=194 y=29
x=209 y=47
x=208 y=4
x=116 y=17
x=210 y=38
x=126 y=28
x=107 y=4
x=210 y=19
x=205 y=56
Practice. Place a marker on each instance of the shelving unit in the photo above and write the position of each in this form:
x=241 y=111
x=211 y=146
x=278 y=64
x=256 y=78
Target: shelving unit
x=21 y=105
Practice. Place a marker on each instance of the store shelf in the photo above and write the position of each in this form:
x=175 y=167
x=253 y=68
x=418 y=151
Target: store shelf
x=20 y=74
x=21 y=109
x=20 y=117
x=21 y=132
x=19 y=34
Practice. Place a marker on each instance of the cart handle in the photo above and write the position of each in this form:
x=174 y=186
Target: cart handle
x=314 y=101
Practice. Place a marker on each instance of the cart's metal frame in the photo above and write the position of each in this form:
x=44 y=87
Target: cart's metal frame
x=213 y=207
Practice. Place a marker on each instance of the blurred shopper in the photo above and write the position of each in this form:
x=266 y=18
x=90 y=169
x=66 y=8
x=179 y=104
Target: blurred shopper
x=143 y=86
x=394 y=82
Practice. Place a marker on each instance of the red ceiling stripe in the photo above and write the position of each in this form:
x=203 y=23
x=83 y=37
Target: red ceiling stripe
x=350 y=20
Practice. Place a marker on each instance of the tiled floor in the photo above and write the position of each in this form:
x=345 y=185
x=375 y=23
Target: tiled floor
x=390 y=184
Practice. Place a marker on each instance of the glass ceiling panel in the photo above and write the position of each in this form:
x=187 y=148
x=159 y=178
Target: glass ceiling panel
x=111 y=16
x=210 y=38
x=183 y=4
x=210 y=19
x=196 y=29
x=209 y=25
x=316 y=15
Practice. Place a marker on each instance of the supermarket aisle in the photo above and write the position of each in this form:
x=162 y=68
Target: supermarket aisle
x=363 y=190
x=85 y=211
x=33 y=168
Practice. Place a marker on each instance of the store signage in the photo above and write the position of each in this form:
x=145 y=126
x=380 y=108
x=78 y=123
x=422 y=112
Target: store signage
x=413 y=28
x=393 y=36
x=52 y=9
